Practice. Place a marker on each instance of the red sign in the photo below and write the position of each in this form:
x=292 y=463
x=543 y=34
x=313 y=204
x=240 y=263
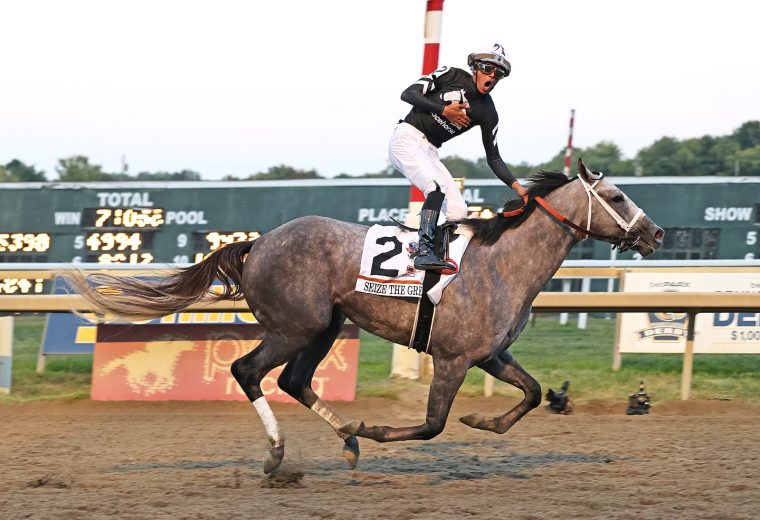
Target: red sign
x=192 y=363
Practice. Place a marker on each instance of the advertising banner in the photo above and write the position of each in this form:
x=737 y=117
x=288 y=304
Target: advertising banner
x=66 y=333
x=714 y=333
x=175 y=362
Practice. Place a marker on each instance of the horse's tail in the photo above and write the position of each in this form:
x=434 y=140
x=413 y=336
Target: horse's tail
x=135 y=299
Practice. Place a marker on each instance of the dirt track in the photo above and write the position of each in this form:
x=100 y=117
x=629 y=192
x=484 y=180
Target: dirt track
x=202 y=461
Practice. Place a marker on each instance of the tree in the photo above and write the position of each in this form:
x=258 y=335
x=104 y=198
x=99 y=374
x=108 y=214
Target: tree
x=461 y=167
x=706 y=155
x=386 y=173
x=747 y=135
x=749 y=161
x=723 y=154
x=183 y=175
x=523 y=170
x=604 y=156
x=557 y=163
x=658 y=158
x=78 y=169
x=21 y=172
x=5 y=175
x=285 y=172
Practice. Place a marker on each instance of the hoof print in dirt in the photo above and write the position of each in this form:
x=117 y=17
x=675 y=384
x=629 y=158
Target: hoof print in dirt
x=283 y=479
x=46 y=481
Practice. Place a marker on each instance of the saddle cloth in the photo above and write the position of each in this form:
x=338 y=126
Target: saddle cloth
x=387 y=266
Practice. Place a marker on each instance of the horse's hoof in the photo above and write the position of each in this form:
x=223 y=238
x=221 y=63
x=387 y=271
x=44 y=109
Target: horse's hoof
x=351 y=451
x=352 y=428
x=475 y=420
x=273 y=458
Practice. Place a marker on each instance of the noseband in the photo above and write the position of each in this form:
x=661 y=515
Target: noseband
x=623 y=243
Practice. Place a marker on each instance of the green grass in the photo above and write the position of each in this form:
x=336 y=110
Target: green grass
x=65 y=377
x=552 y=353
x=375 y=367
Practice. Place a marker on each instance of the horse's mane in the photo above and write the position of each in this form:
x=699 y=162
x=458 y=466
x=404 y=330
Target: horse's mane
x=540 y=184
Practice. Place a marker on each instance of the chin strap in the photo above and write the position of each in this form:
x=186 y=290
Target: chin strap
x=624 y=243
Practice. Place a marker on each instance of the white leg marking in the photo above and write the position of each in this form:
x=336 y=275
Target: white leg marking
x=270 y=422
x=328 y=414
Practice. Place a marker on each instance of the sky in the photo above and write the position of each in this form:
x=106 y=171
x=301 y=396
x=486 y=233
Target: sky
x=235 y=87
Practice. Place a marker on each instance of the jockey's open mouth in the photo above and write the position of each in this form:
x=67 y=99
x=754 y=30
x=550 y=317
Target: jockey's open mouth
x=486 y=75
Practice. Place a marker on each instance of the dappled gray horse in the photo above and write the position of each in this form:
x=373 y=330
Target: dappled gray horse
x=299 y=281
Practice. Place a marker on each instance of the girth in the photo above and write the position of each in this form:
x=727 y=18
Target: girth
x=423 y=323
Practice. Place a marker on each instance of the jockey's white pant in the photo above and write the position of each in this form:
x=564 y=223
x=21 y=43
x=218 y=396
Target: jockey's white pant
x=412 y=154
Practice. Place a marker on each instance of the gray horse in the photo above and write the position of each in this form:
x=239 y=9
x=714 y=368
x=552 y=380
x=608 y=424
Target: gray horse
x=299 y=282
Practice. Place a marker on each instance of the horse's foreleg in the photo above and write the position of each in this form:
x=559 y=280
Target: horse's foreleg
x=505 y=368
x=296 y=378
x=447 y=378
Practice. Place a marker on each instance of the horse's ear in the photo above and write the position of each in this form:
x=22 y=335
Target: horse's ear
x=587 y=174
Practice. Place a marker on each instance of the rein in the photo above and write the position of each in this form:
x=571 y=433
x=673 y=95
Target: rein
x=623 y=243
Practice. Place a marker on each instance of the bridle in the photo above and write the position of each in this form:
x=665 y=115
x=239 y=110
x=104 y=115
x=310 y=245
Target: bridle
x=623 y=243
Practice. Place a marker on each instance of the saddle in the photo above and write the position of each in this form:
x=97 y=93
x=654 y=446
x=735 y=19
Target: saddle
x=386 y=269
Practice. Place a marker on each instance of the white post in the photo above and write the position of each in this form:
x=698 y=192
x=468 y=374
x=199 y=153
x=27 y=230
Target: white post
x=6 y=354
x=583 y=316
x=611 y=281
x=565 y=288
x=488 y=386
x=688 y=359
x=617 y=358
x=405 y=362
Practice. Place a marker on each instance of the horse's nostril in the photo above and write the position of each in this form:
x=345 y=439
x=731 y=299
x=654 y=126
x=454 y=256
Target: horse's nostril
x=659 y=234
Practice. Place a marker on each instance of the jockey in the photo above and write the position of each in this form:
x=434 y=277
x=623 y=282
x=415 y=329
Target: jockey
x=446 y=103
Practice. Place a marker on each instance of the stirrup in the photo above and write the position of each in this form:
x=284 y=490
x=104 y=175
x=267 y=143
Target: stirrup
x=432 y=262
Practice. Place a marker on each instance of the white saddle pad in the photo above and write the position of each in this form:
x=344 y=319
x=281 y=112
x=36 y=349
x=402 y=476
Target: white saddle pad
x=387 y=266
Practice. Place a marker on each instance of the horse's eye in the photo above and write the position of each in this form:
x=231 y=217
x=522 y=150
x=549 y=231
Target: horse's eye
x=618 y=198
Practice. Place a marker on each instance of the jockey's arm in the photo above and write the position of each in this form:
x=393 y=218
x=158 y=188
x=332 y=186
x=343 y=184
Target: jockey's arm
x=497 y=164
x=414 y=96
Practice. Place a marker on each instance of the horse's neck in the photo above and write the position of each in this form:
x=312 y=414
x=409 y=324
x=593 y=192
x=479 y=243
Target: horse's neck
x=537 y=248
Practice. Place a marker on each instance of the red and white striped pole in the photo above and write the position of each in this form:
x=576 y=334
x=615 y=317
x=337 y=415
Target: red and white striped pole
x=433 y=22
x=566 y=285
x=405 y=362
x=569 y=150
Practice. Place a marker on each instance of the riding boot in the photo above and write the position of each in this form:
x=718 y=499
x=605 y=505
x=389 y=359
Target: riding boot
x=426 y=257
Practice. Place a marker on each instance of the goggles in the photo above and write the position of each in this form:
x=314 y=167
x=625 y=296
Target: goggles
x=488 y=68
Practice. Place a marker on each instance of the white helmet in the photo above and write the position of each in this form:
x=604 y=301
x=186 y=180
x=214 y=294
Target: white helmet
x=494 y=54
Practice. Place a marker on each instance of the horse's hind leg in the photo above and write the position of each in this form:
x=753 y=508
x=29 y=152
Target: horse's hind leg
x=296 y=381
x=249 y=370
x=448 y=376
x=506 y=368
